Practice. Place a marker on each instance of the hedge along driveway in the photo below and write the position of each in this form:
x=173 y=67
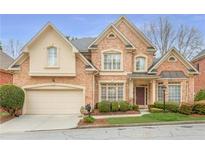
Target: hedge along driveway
x=154 y=117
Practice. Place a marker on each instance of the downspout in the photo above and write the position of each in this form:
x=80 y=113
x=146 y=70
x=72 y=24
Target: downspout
x=94 y=89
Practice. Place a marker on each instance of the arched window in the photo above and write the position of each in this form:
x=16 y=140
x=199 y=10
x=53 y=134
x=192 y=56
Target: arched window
x=52 y=56
x=140 y=64
x=172 y=59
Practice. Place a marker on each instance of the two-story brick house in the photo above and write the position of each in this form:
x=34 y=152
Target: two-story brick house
x=59 y=76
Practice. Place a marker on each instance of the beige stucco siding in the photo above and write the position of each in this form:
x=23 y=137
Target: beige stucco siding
x=39 y=55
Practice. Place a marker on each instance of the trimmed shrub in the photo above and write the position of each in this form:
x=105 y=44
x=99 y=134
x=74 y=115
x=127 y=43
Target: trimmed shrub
x=11 y=98
x=199 y=108
x=151 y=106
x=200 y=95
x=173 y=107
x=186 y=109
x=124 y=106
x=135 y=107
x=104 y=106
x=155 y=110
x=170 y=106
x=130 y=106
x=89 y=119
x=114 y=106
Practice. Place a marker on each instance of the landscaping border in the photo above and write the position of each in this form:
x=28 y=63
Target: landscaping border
x=142 y=124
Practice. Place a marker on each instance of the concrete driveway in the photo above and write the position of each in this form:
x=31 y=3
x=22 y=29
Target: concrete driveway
x=39 y=122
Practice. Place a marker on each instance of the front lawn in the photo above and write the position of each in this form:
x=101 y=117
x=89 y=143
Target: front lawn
x=154 y=117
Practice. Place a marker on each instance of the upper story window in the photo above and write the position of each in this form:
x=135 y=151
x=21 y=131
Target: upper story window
x=52 y=56
x=112 y=61
x=140 y=64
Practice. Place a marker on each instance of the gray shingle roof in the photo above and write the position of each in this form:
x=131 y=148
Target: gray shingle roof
x=83 y=43
x=172 y=74
x=141 y=75
x=201 y=54
x=5 y=60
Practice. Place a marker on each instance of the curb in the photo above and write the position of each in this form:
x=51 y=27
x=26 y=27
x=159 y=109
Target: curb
x=142 y=124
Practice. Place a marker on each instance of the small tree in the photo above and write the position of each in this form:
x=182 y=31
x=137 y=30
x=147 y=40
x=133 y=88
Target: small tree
x=11 y=98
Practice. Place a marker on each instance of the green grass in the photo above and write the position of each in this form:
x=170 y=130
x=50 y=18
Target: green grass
x=154 y=117
x=4 y=114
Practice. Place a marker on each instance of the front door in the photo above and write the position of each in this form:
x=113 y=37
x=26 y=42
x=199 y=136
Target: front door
x=140 y=95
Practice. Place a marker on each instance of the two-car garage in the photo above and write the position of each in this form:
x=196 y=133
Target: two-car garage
x=53 y=99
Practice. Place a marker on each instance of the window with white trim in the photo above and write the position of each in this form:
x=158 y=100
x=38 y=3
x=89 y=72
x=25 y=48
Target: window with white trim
x=160 y=92
x=52 y=56
x=112 y=91
x=140 y=63
x=112 y=61
x=174 y=92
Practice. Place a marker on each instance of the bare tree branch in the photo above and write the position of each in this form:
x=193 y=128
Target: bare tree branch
x=12 y=47
x=188 y=40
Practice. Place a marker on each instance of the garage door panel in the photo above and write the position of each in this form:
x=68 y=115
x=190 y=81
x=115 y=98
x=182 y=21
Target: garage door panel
x=54 y=102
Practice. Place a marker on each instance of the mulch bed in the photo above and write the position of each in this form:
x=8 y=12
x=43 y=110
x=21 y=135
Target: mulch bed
x=198 y=115
x=96 y=112
x=97 y=122
x=5 y=118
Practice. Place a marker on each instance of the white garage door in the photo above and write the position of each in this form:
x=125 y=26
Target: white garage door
x=54 y=102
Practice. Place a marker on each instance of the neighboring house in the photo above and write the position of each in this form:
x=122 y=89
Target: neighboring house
x=199 y=63
x=59 y=76
x=5 y=75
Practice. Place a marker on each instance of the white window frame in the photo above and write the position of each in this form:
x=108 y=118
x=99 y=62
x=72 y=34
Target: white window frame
x=107 y=83
x=111 y=51
x=135 y=61
x=175 y=84
x=57 y=55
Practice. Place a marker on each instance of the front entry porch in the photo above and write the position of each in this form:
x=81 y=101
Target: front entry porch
x=142 y=91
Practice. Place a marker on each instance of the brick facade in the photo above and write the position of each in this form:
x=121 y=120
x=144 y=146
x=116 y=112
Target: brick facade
x=199 y=79
x=187 y=85
x=5 y=77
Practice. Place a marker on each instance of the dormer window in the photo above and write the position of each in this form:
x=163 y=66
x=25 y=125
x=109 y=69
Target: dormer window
x=52 y=56
x=140 y=64
x=172 y=59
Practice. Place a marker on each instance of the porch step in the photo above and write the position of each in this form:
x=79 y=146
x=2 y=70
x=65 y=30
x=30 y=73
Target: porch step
x=144 y=110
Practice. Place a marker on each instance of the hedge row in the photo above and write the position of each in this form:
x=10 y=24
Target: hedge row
x=106 y=106
x=200 y=95
x=185 y=108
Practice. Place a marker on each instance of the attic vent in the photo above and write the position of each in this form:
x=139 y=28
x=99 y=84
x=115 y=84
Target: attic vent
x=111 y=36
x=172 y=59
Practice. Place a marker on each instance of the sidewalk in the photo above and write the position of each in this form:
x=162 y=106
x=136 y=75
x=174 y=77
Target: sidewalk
x=119 y=116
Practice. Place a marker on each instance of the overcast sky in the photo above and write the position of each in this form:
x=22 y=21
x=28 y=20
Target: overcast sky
x=23 y=27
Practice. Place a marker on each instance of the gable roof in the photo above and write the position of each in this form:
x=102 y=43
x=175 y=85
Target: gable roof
x=83 y=43
x=49 y=24
x=5 y=60
x=199 y=56
x=120 y=35
x=141 y=34
x=174 y=51
x=23 y=55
